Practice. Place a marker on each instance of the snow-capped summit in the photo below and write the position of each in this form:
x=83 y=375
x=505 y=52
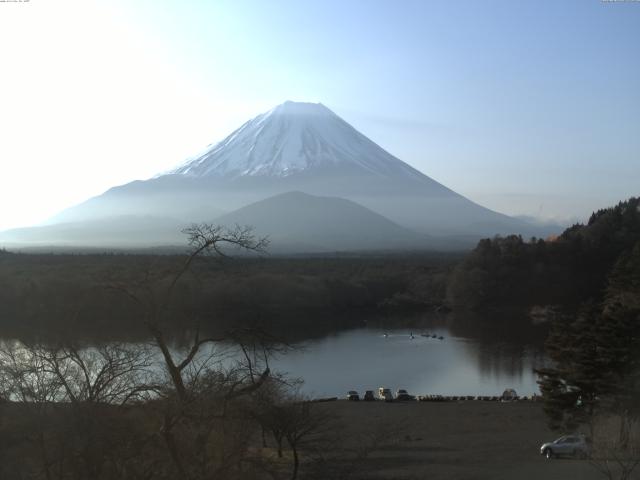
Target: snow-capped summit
x=297 y=147
x=293 y=137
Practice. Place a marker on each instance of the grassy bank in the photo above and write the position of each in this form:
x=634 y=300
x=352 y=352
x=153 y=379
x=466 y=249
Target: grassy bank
x=457 y=440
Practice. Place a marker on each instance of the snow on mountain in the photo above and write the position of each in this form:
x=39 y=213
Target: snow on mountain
x=295 y=147
x=291 y=138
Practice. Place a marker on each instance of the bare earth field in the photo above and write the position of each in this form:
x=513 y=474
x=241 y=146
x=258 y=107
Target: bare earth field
x=458 y=440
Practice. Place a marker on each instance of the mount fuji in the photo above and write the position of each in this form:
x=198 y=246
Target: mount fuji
x=295 y=147
x=291 y=139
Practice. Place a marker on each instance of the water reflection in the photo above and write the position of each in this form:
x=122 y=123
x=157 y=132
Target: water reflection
x=367 y=358
x=370 y=357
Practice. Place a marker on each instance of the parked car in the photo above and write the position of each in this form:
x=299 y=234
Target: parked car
x=353 y=396
x=403 y=396
x=368 y=396
x=509 y=395
x=568 y=445
x=385 y=394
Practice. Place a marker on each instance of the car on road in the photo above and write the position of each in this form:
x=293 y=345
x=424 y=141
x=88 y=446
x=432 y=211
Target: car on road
x=567 y=445
x=353 y=396
x=368 y=396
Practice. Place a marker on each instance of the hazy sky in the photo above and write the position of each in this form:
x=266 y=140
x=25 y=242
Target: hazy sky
x=525 y=107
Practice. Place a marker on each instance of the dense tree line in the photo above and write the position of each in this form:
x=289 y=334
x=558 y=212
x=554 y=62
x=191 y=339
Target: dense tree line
x=556 y=275
x=49 y=294
x=596 y=353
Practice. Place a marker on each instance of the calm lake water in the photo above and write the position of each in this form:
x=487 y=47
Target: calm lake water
x=368 y=358
x=364 y=359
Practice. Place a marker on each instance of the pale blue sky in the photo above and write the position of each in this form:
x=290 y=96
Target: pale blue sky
x=528 y=107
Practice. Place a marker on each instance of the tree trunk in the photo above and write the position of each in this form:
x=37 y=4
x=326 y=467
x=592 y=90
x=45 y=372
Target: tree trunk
x=296 y=462
x=169 y=440
x=43 y=454
x=623 y=439
x=174 y=371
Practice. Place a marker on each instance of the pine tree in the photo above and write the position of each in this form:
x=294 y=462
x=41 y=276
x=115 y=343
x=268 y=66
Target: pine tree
x=621 y=326
x=571 y=388
x=597 y=355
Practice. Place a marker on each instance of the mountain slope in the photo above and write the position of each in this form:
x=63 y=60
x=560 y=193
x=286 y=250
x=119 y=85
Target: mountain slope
x=307 y=148
x=296 y=221
x=290 y=139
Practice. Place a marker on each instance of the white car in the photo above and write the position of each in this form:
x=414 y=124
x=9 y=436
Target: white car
x=385 y=394
x=568 y=445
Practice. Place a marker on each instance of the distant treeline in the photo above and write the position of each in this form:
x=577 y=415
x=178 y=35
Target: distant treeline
x=89 y=295
x=503 y=281
x=541 y=279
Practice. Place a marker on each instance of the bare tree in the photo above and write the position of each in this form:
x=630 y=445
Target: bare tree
x=614 y=455
x=108 y=411
x=199 y=388
x=204 y=239
x=25 y=376
x=24 y=379
x=292 y=418
x=108 y=374
x=71 y=395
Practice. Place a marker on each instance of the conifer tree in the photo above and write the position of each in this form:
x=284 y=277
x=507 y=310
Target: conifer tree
x=596 y=356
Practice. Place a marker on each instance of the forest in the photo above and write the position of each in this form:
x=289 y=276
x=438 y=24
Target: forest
x=542 y=279
x=58 y=294
x=78 y=402
x=510 y=280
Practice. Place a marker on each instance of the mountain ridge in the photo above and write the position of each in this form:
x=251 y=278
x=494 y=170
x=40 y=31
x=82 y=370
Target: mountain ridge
x=301 y=147
x=295 y=220
x=291 y=138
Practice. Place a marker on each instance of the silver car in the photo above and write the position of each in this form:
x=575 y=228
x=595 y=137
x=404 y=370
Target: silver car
x=568 y=445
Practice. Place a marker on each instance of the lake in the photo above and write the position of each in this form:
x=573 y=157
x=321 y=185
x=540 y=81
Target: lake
x=365 y=359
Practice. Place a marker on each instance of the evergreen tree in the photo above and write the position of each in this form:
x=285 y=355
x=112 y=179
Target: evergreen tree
x=621 y=327
x=571 y=388
x=597 y=355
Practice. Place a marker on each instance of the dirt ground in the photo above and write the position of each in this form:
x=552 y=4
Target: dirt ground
x=459 y=440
